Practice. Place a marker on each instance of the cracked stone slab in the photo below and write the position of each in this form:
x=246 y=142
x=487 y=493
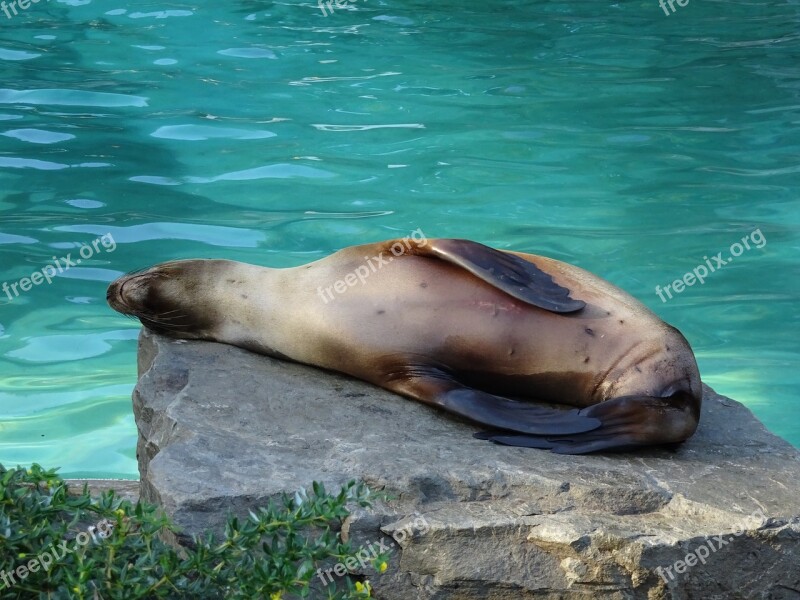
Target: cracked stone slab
x=221 y=429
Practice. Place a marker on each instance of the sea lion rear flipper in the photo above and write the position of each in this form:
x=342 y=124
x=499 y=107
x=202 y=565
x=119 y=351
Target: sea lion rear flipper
x=584 y=443
x=507 y=438
x=507 y=272
x=626 y=422
x=494 y=411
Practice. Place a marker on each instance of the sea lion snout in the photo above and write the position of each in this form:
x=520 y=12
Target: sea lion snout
x=127 y=293
x=136 y=293
x=164 y=298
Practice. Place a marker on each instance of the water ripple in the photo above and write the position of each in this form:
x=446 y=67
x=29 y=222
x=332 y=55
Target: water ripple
x=310 y=80
x=44 y=165
x=68 y=348
x=324 y=127
x=66 y=97
x=161 y=14
x=206 y=132
x=249 y=53
x=9 y=238
x=6 y=54
x=279 y=171
x=38 y=136
x=213 y=235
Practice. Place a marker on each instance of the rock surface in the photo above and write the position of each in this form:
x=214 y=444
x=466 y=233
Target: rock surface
x=223 y=429
x=123 y=488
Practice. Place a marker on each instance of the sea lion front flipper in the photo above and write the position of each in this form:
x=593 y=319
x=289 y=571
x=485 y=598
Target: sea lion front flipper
x=507 y=272
x=440 y=390
x=496 y=411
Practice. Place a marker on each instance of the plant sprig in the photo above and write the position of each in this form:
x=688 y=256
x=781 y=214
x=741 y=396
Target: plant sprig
x=272 y=553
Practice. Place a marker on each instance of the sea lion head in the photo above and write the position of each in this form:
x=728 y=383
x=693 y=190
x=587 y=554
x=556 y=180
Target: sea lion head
x=662 y=371
x=173 y=298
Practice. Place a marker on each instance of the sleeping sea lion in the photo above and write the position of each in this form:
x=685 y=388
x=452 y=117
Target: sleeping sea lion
x=484 y=334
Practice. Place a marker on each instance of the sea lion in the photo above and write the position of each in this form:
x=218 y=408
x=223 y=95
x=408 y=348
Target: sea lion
x=452 y=323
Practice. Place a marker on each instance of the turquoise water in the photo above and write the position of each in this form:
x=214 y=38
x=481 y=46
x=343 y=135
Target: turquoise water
x=609 y=135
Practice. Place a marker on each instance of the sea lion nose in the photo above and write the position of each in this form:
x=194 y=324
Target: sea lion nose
x=113 y=292
x=120 y=293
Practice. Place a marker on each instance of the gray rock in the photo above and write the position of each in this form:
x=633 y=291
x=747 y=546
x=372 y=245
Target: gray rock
x=223 y=429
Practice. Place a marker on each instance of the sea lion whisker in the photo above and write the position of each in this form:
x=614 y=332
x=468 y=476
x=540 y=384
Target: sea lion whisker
x=153 y=324
x=165 y=320
x=175 y=320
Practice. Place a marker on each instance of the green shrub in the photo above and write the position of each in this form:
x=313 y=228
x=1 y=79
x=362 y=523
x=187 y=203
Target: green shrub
x=55 y=544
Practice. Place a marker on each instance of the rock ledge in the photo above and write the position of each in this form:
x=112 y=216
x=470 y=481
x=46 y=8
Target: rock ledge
x=223 y=429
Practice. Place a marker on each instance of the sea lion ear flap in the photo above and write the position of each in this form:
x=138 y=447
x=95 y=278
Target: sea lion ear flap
x=507 y=272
